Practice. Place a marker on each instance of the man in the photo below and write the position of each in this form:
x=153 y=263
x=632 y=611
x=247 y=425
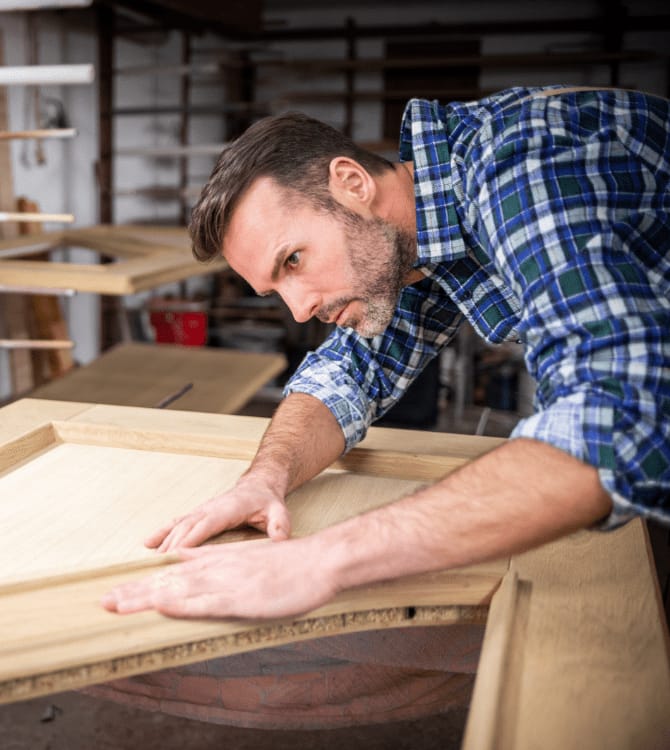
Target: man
x=540 y=216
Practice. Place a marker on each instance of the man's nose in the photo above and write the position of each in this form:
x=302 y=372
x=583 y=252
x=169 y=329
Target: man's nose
x=303 y=306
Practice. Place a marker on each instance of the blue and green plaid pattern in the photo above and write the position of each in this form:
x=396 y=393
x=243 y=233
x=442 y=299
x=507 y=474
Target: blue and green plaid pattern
x=544 y=220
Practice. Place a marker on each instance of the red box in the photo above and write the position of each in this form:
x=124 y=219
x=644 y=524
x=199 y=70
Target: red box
x=183 y=326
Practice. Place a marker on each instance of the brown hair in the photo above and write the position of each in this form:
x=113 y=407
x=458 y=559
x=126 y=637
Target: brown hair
x=293 y=149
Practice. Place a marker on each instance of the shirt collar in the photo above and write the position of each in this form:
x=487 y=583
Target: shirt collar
x=424 y=141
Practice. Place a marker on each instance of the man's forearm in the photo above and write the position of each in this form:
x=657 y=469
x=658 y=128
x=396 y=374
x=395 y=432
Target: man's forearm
x=302 y=440
x=519 y=496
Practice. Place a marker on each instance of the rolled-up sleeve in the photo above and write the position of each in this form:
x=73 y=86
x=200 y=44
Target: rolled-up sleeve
x=579 y=224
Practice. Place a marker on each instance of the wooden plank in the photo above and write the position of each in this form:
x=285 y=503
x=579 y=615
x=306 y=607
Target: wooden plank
x=16 y=314
x=19 y=217
x=585 y=650
x=80 y=644
x=36 y=344
x=419 y=458
x=137 y=374
x=10 y=135
x=484 y=717
x=46 y=75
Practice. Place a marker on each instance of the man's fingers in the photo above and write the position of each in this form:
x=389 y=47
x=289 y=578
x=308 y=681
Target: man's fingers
x=155 y=538
x=137 y=596
x=204 y=605
x=279 y=522
x=179 y=532
x=199 y=532
x=125 y=602
x=209 y=552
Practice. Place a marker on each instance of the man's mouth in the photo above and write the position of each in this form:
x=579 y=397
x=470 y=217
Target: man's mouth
x=340 y=320
x=336 y=317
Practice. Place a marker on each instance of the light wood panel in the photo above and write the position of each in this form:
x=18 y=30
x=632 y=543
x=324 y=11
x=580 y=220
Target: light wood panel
x=94 y=480
x=121 y=494
x=576 y=650
x=222 y=380
x=145 y=257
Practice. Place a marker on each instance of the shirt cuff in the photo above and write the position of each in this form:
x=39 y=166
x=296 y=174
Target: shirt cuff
x=339 y=393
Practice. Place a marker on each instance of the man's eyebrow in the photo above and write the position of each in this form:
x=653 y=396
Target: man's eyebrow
x=276 y=268
x=279 y=261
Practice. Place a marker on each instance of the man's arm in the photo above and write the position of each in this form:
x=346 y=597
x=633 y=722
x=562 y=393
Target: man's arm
x=303 y=439
x=521 y=495
x=518 y=496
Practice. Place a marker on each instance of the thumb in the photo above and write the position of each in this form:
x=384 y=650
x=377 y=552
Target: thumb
x=279 y=522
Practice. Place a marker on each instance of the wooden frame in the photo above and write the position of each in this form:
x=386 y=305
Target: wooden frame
x=145 y=257
x=575 y=652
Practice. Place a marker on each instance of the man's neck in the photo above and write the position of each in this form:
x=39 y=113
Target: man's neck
x=395 y=201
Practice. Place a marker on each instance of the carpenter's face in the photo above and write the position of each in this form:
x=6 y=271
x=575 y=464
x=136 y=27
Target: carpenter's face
x=340 y=267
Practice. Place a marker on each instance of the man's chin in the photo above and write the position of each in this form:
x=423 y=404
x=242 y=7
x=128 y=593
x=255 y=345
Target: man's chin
x=365 y=329
x=371 y=322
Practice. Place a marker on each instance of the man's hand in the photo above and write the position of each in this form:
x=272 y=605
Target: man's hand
x=250 y=503
x=282 y=463
x=254 y=580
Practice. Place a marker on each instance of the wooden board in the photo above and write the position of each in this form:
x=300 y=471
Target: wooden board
x=135 y=374
x=99 y=477
x=576 y=650
x=145 y=257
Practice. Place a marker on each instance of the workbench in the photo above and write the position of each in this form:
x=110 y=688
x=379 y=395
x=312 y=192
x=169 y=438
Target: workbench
x=576 y=648
x=181 y=377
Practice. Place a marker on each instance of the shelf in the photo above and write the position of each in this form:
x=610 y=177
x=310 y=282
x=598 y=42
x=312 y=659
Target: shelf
x=532 y=60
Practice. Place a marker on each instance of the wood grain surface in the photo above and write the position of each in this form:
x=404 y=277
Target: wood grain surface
x=94 y=480
x=137 y=374
x=576 y=652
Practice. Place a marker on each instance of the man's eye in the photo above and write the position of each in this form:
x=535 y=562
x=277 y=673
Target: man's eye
x=293 y=259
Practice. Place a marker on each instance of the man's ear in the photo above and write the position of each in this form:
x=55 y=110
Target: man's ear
x=351 y=184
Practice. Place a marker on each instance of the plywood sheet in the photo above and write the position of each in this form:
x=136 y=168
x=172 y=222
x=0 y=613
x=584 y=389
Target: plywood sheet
x=135 y=374
x=145 y=257
x=98 y=478
x=576 y=650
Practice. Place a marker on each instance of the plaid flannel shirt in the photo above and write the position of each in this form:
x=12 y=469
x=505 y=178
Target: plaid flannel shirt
x=543 y=220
